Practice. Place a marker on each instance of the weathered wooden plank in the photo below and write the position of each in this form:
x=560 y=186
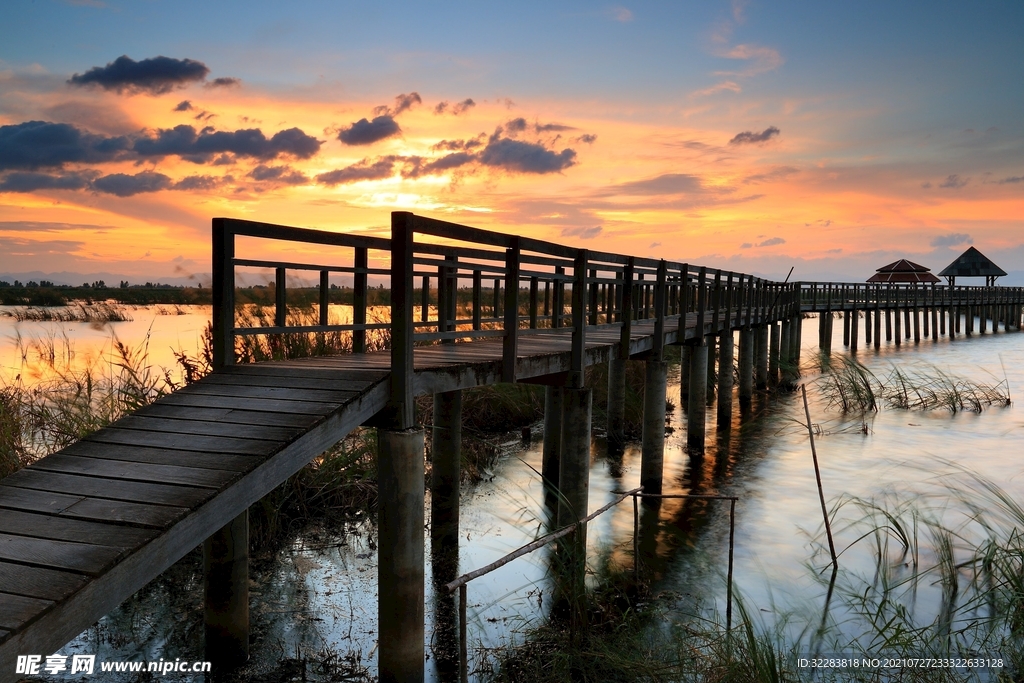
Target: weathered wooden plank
x=184 y=442
x=58 y=528
x=229 y=429
x=96 y=509
x=37 y=582
x=118 y=469
x=333 y=383
x=161 y=409
x=280 y=393
x=78 y=557
x=115 y=489
x=16 y=610
x=268 y=405
x=350 y=368
x=158 y=456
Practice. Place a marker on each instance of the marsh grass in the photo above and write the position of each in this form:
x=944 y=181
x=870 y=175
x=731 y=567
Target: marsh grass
x=77 y=312
x=849 y=386
x=262 y=347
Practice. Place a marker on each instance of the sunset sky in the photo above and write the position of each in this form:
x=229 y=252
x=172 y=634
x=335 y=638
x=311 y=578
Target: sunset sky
x=832 y=137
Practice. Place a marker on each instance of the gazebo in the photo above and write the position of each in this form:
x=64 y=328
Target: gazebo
x=972 y=263
x=903 y=271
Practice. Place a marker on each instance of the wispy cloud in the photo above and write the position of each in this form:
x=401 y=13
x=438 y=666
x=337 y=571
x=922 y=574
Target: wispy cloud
x=748 y=137
x=954 y=182
x=951 y=240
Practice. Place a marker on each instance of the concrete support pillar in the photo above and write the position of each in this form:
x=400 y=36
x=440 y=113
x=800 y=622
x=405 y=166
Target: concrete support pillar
x=746 y=368
x=445 y=477
x=917 y=325
x=446 y=461
x=785 y=349
x=797 y=337
x=695 y=423
x=616 y=404
x=888 y=325
x=653 y=447
x=773 y=353
x=826 y=319
x=400 y=569
x=867 y=328
x=846 y=328
x=906 y=322
x=878 y=328
x=552 y=458
x=725 y=379
x=761 y=358
x=574 y=486
x=897 y=333
x=226 y=579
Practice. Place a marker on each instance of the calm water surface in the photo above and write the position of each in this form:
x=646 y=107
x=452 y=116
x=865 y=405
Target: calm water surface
x=321 y=595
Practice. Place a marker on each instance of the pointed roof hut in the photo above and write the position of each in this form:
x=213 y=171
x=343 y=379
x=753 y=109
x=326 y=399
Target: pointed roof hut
x=903 y=271
x=972 y=263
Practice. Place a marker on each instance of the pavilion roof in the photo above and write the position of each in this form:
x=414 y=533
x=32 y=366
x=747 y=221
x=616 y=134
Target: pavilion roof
x=972 y=263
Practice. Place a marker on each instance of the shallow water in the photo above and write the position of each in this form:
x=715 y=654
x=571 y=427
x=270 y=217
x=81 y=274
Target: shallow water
x=327 y=590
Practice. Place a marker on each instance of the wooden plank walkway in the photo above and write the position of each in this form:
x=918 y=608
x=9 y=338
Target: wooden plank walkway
x=83 y=529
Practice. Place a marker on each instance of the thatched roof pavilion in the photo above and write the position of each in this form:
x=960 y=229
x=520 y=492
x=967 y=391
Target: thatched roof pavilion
x=903 y=271
x=972 y=263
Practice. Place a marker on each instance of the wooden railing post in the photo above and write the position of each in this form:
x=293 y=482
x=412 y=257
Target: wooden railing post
x=660 y=296
x=359 y=282
x=401 y=403
x=477 y=299
x=579 y=320
x=511 y=338
x=626 y=309
x=533 y=302
x=325 y=296
x=558 y=305
x=223 y=291
x=280 y=298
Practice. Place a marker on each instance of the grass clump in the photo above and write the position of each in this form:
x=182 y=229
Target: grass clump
x=849 y=386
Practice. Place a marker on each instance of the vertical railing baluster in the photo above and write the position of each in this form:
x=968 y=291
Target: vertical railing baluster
x=359 y=287
x=558 y=306
x=223 y=294
x=511 y=338
x=325 y=296
x=280 y=298
x=401 y=404
x=626 y=309
x=533 y=302
x=579 y=320
x=477 y=291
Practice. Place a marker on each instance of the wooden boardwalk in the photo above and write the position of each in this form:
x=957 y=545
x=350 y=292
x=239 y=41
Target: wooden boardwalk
x=84 y=528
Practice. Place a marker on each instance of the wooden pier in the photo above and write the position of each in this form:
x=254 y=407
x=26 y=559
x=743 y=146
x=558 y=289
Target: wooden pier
x=83 y=529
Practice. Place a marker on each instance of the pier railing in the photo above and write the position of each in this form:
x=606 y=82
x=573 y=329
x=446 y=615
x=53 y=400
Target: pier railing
x=838 y=296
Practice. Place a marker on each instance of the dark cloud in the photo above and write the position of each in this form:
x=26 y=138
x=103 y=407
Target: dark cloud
x=456 y=109
x=223 y=160
x=124 y=185
x=155 y=76
x=551 y=127
x=403 y=102
x=39 y=144
x=383 y=167
x=951 y=240
x=748 y=137
x=203 y=116
x=455 y=145
x=514 y=126
x=668 y=184
x=654 y=245
x=771 y=242
x=184 y=105
x=417 y=166
x=586 y=138
x=584 y=233
x=777 y=173
x=954 y=182
x=224 y=82
x=279 y=174
x=200 y=182
x=1013 y=179
x=31 y=182
x=364 y=132
x=201 y=146
x=746 y=245
x=926 y=185
x=525 y=157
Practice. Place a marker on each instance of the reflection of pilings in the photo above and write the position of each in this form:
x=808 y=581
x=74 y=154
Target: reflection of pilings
x=226 y=578
x=445 y=475
x=773 y=354
x=695 y=427
x=552 y=436
x=725 y=356
x=761 y=357
x=400 y=555
x=684 y=377
x=746 y=368
x=445 y=644
x=574 y=485
x=653 y=446
x=616 y=402
x=649 y=562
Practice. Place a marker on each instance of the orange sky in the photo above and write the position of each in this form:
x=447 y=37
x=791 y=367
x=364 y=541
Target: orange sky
x=759 y=166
